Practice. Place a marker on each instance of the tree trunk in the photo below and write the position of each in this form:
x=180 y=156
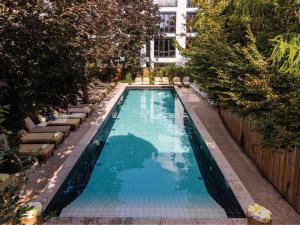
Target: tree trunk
x=85 y=93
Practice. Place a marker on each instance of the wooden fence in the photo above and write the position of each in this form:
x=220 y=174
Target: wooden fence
x=281 y=167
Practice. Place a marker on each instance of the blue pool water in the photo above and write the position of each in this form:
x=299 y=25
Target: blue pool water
x=146 y=167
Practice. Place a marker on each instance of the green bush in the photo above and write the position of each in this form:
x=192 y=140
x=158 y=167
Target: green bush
x=170 y=71
x=246 y=57
x=128 y=78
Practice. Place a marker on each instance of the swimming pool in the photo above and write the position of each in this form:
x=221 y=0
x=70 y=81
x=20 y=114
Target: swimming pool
x=147 y=160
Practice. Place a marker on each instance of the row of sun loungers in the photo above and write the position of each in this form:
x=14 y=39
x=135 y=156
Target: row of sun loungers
x=41 y=139
x=163 y=81
x=142 y=81
x=97 y=91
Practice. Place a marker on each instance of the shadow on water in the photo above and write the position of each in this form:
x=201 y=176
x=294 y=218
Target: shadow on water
x=125 y=154
x=213 y=178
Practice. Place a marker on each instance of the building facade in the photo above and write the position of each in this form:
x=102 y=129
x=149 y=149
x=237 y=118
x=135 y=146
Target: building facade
x=176 y=20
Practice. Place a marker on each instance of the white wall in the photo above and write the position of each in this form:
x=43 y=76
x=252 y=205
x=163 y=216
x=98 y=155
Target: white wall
x=181 y=11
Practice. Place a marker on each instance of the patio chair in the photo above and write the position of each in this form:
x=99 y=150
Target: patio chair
x=94 y=97
x=97 y=91
x=146 y=81
x=74 y=123
x=157 y=81
x=186 y=81
x=32 y=128
x=41 y=138
x=99 y=83
x=138 y=81
x=81 y=116
x=86 y=110
x=42 y=151
x=165 y=81
x=81 y=105
x=177 y=82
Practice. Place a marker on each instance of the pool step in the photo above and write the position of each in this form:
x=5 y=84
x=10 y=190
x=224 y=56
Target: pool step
x=139 y=221
x=141 y=212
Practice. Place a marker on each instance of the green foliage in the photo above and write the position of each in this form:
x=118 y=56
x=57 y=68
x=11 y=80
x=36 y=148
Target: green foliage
x=231 y=60
x=286 y=54
x=128 y=78
x=11 y=207
x=165 y=71
x=49 y=50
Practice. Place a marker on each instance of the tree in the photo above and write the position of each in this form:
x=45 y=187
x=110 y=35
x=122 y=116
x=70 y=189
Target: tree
x=232 y=61
x=51 y=49
x=40 y=59
x=139 y=24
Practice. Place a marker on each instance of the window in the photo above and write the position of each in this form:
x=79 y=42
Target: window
x=164 y=47
x=190 y=17
x=167 y=22
x=148 y=49
x=166 y=3
x=190 y=4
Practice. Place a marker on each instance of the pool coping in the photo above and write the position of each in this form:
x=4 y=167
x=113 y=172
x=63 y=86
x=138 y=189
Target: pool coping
x=239 y=190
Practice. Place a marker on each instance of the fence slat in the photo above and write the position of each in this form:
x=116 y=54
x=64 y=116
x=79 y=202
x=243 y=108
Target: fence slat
x=281 y=167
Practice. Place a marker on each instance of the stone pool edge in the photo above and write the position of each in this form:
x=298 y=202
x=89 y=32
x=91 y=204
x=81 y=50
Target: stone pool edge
x=239 y=190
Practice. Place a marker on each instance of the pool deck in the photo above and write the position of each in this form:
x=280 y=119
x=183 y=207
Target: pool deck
x=46 y=179
x=257 y=185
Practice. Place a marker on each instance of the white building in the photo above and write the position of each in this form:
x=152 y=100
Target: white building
x=176 y=17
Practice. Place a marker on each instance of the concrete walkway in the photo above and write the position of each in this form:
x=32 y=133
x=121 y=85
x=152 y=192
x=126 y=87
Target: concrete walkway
x=260 y=189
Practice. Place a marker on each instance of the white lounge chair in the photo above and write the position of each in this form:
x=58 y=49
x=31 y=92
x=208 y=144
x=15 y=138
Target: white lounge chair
x=177 y=82
x=138 y=81
x=186 y=81
x=146 y=81
x=42 y=151
x=165 y=81
x=81 y=116
x=157 y=80
x=32 y=128
x=42 y=138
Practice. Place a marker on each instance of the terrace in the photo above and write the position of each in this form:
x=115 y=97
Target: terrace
x=201 y=126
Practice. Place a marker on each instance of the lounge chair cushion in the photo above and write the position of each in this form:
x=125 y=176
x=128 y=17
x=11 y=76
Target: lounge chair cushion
x=86 y=110
x=138 y=80
x=80 y=116
x=74 y=123
x=45 y=129
x=186 y=81
x=176 y=79
x=146 y=80
x=53 y=138
x=40 y=150
x=81 y=105
x=165 y=81
x=29 y=124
